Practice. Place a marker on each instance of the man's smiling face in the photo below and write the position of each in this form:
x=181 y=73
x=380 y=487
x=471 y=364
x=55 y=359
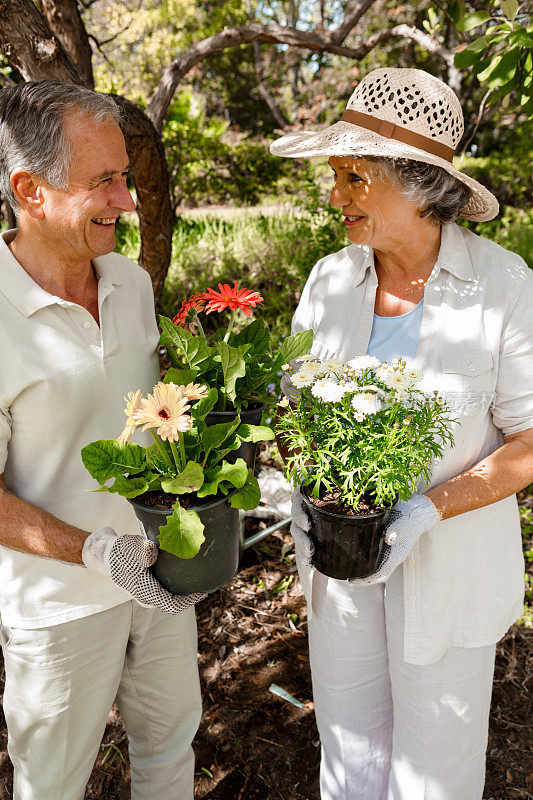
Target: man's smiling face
x=81 y=218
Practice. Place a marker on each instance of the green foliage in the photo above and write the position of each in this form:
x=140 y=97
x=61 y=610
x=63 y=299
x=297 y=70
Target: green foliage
x=239 y=366
x=502 y=57
x=195 y=463
x=208 y=165
x=526 y=518
x=363 y=429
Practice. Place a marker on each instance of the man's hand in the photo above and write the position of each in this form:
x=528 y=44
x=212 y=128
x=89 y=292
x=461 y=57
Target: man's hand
x=126 y=559
x=412 y=518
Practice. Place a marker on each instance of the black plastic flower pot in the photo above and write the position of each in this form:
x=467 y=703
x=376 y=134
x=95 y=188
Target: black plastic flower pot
x=217 y=561
x=346 y=546
x=252 y=416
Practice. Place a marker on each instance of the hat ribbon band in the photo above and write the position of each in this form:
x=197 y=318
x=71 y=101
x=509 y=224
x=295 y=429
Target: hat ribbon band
x=392 y=131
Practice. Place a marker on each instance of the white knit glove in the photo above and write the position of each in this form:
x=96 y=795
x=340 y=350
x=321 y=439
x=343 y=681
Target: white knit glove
x=125 y=559
x=299 y=526
x=412 y=518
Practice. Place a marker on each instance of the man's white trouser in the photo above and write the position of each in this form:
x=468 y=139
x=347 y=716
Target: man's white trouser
x=391 y=730
x=61 y=683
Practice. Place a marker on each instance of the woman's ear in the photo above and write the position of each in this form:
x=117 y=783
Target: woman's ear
x=27 y=189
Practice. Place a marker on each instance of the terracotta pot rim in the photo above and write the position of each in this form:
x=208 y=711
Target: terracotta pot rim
x=218 y=500
x=334 y=515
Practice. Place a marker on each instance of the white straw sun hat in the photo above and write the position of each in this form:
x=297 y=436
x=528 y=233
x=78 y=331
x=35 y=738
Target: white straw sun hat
x=397 y=113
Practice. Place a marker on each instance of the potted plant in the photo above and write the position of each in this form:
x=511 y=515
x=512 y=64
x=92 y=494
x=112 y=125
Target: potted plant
x=238 y=360
x=185 y=492
x=359 y=436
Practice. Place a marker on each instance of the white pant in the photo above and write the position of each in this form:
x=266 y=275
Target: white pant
x=61 y=682
x=391 y=730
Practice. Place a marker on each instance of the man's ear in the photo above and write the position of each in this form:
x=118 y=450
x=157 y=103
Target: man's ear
x=27 y=189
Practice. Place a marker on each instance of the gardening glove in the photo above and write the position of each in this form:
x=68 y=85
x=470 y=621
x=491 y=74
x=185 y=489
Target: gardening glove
x=125 y=559
x=411 y=518
x=299 y=526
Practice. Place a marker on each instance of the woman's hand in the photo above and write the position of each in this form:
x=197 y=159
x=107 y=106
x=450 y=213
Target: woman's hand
x=413 y=517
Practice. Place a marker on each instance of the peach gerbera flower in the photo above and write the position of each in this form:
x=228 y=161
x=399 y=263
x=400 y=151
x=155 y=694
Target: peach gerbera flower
x=194 y=391
x=133 y=405
x=165 y=410
x=232 y=298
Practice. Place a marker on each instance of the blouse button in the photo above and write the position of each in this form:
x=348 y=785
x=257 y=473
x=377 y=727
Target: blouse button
x=86 y=325
x=471 y=367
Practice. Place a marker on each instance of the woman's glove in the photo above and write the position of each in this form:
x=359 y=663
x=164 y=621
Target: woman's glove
x=412 y=518
x=125 y=559
x=299 y=527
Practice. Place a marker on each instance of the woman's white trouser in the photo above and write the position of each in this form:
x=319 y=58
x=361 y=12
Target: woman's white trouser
x=391 y=730
x=61 y=682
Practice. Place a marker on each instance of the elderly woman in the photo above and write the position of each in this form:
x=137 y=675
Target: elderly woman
x=402 y=662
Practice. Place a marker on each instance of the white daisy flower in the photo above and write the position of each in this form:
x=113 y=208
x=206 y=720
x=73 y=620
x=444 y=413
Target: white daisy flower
x=302 y=379
x=307 y=357
x=351 y=386
x=360 y=363
x=133 y=405
x=359 y=417
x=333 y=365
x=284 y=402
x=366 y=403
x=328 y=390
x=315 y=367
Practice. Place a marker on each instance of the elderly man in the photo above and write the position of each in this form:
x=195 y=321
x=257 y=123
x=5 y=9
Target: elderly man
x=83 y=620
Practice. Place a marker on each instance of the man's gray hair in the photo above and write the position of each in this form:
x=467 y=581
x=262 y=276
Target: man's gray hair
x=440 y=195
x=32 y=132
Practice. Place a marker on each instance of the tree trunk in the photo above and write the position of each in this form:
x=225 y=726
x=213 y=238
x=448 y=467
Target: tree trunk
x=150 y=175
x=275 y=110
x=65 y=22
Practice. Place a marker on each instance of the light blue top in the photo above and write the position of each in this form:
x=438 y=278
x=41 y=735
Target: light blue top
x=393 y=337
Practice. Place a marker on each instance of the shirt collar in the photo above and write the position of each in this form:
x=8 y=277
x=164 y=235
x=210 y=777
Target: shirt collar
x=25 y=294
x=454 y=256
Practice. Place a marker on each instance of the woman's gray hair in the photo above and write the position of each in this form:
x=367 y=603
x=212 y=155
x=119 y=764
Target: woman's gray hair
x=440 y=195
x=32 y=133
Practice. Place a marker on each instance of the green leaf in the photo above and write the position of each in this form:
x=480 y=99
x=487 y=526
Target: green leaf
x=189 y=480
x=510 y=8
x=205 y=405
x=183 y=533
x=233 y=367
x=181 y=377
x=249 y=496
x=106 y=459
x=194 y=349
x=216 y=435
x=296 y=345
x=473 y=20
x=256 y=334
x=502 y=69
x=255 y=433
x=236 y=474
x=129 y=487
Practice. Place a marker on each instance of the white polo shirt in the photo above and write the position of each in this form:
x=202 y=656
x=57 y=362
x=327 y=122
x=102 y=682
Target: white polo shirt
x=62 y=383
x=464 y=580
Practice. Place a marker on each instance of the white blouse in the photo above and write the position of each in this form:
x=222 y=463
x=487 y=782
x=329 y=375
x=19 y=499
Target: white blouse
x=464 y=580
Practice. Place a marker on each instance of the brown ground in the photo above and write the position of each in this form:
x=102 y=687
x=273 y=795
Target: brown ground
x=254 y=745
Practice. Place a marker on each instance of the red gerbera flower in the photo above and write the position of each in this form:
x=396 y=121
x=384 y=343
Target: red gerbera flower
x=186 y=316
x=231 y=297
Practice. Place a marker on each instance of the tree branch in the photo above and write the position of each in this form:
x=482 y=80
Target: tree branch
x=64 y=19
x=354 y=12
x=275 y=110
x=30 y=47
x=273 y=34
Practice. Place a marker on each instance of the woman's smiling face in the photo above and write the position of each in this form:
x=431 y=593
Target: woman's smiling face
x=375 y=213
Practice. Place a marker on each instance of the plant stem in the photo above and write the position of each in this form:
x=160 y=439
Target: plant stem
x=197 y=320
x=182 y=449
x=162 y=449
x=230 y=326
x=177 y=459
